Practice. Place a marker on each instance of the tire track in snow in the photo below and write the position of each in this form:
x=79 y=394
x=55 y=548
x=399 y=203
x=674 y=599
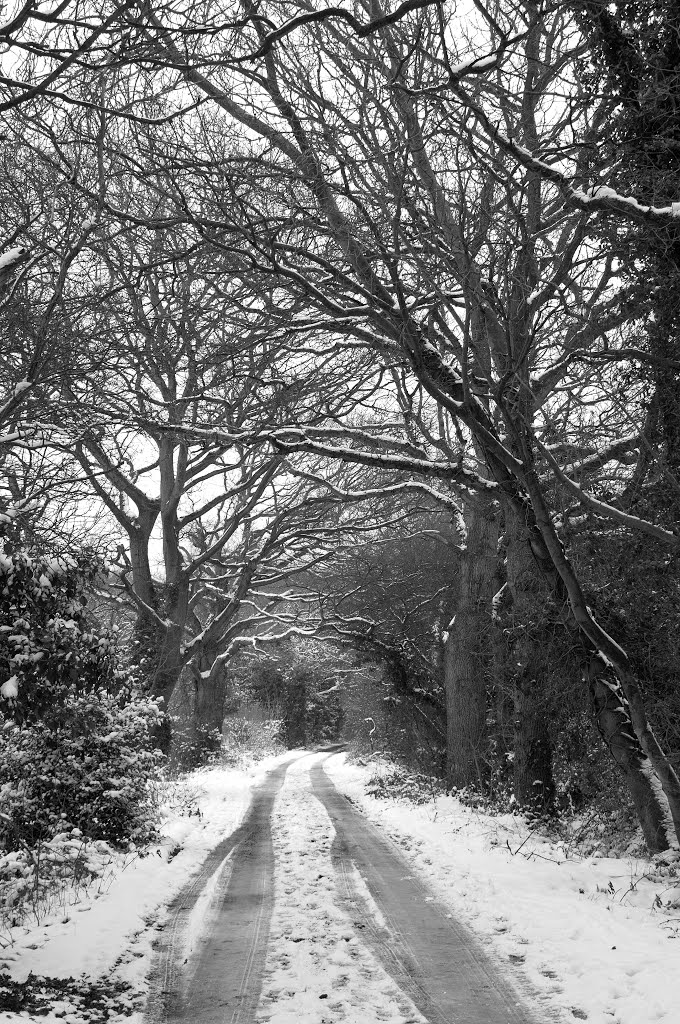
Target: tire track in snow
x=436 y=960
x=219 y=979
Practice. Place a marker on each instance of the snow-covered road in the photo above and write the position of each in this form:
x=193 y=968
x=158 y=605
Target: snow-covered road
x=320 y=920
x=318 y=968
x=285 y=900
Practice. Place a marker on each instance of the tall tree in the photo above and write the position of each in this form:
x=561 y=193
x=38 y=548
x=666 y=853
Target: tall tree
x=429 y=201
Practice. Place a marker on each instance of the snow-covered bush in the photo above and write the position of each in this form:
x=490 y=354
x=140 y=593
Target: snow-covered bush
x=75 y=743
x=394 y=781
x=55 y=875
x=91 y=771
x=46 y=645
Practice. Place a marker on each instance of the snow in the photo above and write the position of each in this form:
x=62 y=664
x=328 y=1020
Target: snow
x=317 y=968
x=110 y=933
x=11 y=256
x=10 y=688
x=477 y=64
x=206 y=906
x=586 y=197
x=591 y=938
x=605 y=192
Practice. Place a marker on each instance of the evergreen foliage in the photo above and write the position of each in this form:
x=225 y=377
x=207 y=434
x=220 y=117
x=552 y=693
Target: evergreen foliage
x=636 y=53
x=75 y=744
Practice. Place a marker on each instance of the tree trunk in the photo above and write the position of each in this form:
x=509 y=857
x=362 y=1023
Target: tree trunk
x=501 y=704
x=618 y=733
x=198 y=709
x=162 y=678
x=467 y=653
x=623 y=714
x=211 y=694
x=527 y=670
x=533 y=782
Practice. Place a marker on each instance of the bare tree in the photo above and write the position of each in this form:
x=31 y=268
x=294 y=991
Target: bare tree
x=398 y=260
x=428 y=200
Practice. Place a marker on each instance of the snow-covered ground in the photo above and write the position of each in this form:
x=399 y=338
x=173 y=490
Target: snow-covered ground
x=317 y=969
x=593 y=938
x=109 y=934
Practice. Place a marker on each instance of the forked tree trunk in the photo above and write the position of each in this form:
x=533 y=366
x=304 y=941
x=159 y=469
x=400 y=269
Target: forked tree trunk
x=467 y=653
x=197 y=710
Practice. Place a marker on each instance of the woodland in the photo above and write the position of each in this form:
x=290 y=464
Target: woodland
x=339 y=380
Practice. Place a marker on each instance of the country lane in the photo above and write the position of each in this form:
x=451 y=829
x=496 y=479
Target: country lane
x=308 y=914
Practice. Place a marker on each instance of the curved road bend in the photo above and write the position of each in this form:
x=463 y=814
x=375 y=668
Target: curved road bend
x=437 y=962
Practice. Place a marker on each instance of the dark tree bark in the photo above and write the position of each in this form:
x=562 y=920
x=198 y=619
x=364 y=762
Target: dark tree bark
x=626 y=750
x=468 y=653
x=526 y=670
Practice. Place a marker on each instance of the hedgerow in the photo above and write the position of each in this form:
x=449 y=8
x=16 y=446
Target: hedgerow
x=76 y=748
x=91 y=772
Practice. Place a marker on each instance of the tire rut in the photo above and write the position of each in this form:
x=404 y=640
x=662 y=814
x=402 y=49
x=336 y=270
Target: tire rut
x=438 y=962
x=223 y=980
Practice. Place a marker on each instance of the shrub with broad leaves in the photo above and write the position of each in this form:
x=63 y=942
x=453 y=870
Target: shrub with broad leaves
x=91 y=771
x=76 y=749
x=46 y=647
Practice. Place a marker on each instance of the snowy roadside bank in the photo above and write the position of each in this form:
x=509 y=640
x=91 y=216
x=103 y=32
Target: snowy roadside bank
x=590 y=938
x=110 y=935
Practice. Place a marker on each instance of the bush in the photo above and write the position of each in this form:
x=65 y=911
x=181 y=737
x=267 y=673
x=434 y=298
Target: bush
x=47 y=647
x=92 y=772
x=75 y=743
x=34 y=883
x=393 y=781
x=245 y=738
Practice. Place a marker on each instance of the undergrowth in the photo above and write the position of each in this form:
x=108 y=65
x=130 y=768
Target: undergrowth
x=91 y=1001
x=598 y=829
x=245 y=740
x=51 y=878
x=393 y=781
